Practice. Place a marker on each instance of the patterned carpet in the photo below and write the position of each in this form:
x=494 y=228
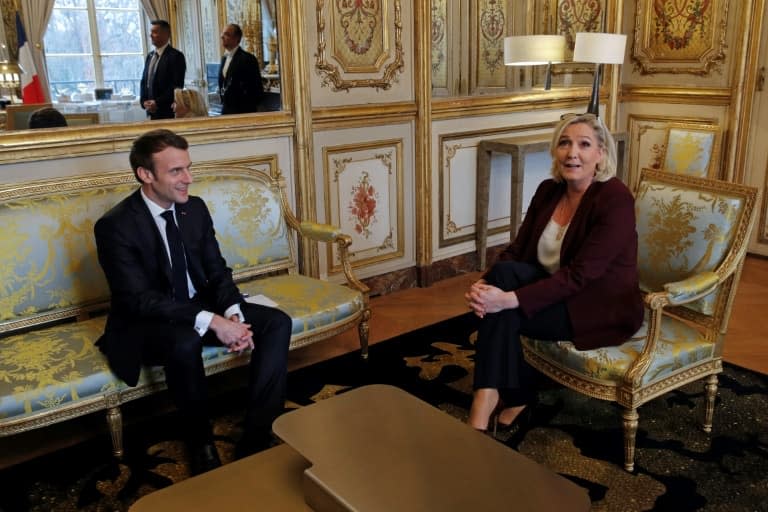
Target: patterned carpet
x=678 y=467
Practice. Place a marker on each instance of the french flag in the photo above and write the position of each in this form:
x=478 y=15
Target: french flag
x=31 y=91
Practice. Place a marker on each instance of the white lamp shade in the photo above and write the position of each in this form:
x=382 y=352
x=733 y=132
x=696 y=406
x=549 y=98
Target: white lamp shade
x=533 y=50
x=599 y=48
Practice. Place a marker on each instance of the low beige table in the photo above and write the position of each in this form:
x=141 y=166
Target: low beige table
x=374 y=448
x=268 y=481
x=377 y=448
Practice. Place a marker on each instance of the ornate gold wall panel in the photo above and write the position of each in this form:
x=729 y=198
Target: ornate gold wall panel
x=566 y=18
x=681 y=36
x=364 y=196
x=439 y=46
x=492 y=22
x=353 y=38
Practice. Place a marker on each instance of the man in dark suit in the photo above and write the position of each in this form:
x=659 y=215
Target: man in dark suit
x=172 y=292
x=240 y=86
x=164 y=71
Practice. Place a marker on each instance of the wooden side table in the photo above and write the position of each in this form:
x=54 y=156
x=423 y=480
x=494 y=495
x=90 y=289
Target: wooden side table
x=517 y=148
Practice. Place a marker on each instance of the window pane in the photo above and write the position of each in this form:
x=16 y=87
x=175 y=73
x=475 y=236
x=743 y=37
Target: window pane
x=122 y=71
x=117 y=4
x=70 y=3
x=68 y=32
x=119 y=31
x=65 y=72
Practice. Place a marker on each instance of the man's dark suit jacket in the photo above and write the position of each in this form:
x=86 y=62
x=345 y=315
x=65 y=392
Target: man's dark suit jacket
x=169 y=75
x=241 y=90
x=134 y=259
x=598 y=278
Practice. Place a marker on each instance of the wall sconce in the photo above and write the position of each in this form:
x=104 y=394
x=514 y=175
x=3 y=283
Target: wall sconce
x=598 y=48
x=533 y=51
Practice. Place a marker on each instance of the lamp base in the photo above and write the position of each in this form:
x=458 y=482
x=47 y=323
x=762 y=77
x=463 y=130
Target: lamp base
x=594 y=101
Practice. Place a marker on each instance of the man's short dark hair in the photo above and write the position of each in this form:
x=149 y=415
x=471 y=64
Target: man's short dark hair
x=47 y=117
x=144 y=148
x=236 y=31
x=162 y=24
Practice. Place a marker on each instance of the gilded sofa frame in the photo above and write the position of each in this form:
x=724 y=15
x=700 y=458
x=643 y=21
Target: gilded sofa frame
x=112 y=399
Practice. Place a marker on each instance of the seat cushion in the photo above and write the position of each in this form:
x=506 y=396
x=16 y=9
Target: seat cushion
x=311 y=303
x=679 y=346
x=53 y=368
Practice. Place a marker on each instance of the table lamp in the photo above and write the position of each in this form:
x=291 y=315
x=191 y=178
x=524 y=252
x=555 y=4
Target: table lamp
x=535 y=50
x=598 y=48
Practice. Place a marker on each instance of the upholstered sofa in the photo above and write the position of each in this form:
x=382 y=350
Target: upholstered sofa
x=53 y=296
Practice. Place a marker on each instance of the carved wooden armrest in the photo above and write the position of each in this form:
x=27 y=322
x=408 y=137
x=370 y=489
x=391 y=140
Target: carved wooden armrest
x=675 y=294
x=333 y=234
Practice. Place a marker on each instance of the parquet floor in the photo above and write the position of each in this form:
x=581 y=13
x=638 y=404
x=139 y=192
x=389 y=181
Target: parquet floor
x=746 y=342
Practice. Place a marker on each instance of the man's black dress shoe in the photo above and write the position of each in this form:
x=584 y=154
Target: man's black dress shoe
x=203 y=458
x=254 y=442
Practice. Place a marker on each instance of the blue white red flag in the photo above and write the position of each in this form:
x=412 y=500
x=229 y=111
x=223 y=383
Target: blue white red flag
x=31 y=91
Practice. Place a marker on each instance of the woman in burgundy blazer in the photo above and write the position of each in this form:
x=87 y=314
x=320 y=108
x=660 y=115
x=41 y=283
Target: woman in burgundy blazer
x=570 y=274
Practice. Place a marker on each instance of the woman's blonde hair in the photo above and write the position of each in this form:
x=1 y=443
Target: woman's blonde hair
x=190 y=102
x=606 y=167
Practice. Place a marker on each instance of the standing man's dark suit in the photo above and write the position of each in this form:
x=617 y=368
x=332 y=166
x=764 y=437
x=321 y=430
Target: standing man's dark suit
x=147 y=324
x=157 y=96
x=240 y=88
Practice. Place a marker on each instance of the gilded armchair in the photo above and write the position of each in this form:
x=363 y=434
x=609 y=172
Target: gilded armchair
x=693 y=236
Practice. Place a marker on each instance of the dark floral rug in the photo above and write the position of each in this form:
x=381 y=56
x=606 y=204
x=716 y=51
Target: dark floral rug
x=678 y=467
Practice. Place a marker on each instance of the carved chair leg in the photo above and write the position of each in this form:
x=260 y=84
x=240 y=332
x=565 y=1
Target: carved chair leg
x=363 y=331
x=115 y=423
x=630 y=421
x=710 y=393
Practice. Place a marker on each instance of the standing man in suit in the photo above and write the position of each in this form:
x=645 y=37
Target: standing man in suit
x=240 y=86
x=164 y=71
x=172 y=293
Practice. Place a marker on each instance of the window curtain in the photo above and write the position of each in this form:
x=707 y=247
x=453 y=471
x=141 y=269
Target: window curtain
x=156 y=9
x=270 y=4
x=35 y=14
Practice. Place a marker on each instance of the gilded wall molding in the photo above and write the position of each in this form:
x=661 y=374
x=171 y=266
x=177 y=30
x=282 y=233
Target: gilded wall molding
x=19 y=146
x=456 y=107
x=711 y=96
x=361 y=51
x=681 y=37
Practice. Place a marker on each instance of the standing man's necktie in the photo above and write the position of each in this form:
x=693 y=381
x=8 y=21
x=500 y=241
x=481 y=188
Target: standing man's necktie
x=151 y=74
x=178 y=261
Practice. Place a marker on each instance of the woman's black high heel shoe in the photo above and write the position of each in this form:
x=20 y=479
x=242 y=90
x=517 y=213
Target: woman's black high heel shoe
x=521 y=422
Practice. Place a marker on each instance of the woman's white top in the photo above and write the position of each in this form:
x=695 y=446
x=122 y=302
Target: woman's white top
x=549 y=246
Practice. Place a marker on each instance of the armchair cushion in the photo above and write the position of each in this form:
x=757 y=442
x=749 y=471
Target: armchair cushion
x=679 y=346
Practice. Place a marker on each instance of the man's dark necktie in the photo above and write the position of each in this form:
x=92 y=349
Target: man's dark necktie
x=151 y=75
x=178 y=261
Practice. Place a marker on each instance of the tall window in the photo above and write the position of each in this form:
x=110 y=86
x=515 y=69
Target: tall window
x=95 y=43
